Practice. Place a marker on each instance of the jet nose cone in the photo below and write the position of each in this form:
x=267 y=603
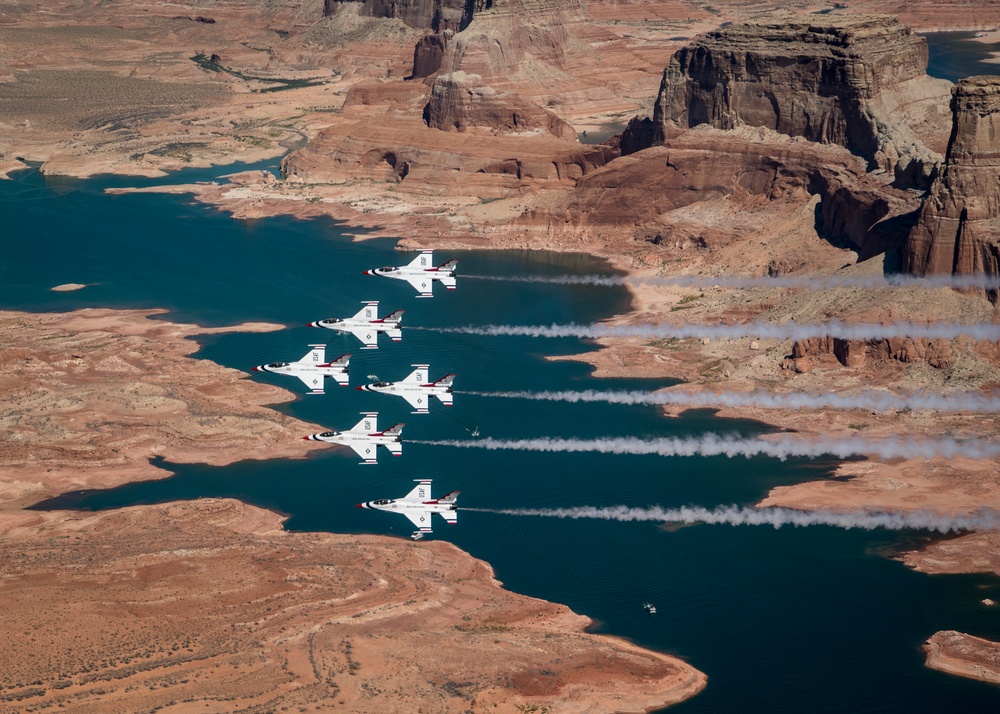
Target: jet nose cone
x=360 y=389
x=307 y=438
x=359 y=505
x=256 y=369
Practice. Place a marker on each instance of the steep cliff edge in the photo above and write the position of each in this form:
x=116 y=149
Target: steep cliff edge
x=959 y=226
x=461 y=101
x=437 y=15
x=859 y=82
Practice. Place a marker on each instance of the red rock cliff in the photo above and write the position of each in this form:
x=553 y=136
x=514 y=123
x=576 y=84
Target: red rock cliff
x=959 y=227
x=857 y=81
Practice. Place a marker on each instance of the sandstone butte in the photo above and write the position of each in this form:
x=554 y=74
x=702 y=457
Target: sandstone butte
x=246 y=615
x=756 y=191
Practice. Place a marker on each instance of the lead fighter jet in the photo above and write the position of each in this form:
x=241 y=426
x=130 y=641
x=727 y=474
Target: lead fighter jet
x=365 y=438
x=415 y=389
x=418 y=506
x=312 y=369
x=366 y=325
x=421 y=273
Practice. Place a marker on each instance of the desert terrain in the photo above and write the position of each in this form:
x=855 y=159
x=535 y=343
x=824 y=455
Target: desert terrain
x=210 y=603
x=418 y=126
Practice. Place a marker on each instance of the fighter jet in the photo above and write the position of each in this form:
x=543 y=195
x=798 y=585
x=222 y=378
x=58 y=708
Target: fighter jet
x=312 y=369
x=365 y=438
x=366 y=325
x=421 y=273
x=418 y=506
x=415 y=389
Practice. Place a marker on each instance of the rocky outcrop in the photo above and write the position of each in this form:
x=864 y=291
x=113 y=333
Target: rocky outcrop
x=859 y=82
x=964 y=655
x=705 y=164
x=429 y=53
x=856 y=353
x=958 y=230
x=461 y=101
x=437 y=15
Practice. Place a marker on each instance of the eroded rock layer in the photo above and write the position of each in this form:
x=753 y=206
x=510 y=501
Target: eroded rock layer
x=434 y=15
x=855 y=81
x=209 y=606
x=461 y=101
x=959 y=226
x=964 y=655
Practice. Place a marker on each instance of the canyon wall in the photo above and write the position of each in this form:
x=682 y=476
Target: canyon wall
x=959 y=226
x=437 y=15
x=461 y=101
x=859 y=82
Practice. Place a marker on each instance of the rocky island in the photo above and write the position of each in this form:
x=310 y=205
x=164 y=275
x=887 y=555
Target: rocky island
x=778 y=145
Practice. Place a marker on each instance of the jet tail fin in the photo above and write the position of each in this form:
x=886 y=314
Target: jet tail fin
x=394 y=430
x=450 y=497
x=446 y=397
x=450 y=266
x=394 y=317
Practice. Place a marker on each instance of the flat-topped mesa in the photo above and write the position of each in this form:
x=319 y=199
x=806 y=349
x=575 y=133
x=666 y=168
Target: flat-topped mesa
x=437 y=15
x=461 y=101
x=855 y=81
x=958 y=231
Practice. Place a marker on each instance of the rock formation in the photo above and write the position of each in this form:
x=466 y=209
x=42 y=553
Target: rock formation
x=706 y=163
x=429 y=53
x=959 y=226
x=437 y=15
x=461 y=101
x=855 y=81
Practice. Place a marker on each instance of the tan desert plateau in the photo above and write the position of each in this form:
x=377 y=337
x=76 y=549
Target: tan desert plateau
x=730 y=153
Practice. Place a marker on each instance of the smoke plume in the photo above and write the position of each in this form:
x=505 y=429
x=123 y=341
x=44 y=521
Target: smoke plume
x=816 y=282
x=984 y=519
x=765 y=330
x=869 y=400
x=721 y=445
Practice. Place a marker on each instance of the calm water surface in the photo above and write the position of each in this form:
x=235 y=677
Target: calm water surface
x=956 y=55
x=786 y=620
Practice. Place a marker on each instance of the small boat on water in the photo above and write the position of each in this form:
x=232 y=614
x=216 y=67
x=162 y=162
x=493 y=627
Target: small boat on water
x=649 y=607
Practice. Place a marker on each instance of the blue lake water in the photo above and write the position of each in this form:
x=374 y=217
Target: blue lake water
x=956 y=55
x=786 y=620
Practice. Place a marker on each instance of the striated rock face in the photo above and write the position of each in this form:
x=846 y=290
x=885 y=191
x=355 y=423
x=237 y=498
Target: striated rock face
x=437 y=15
x=429 y=53
x=705 y=164
x=461 y=101
x=855 y=353
x=959 y=226
x=858 y=82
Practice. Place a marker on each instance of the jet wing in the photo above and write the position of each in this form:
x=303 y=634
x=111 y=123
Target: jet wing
x=369 y=336
x=421 y=283
x=421 y=519
x=313 y=381
x=417 y=400
x=366 y=450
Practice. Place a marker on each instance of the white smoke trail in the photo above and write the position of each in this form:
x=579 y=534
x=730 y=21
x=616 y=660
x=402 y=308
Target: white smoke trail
x=875 y=401
x=721 y=445
x=816 y=282
x=777 y=331
x=983 y=519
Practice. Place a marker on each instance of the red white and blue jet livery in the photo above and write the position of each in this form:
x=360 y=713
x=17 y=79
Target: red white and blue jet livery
x=416 y=389
x=418 y=506
x=312 y=369
x=365 y=438
x=366 y=325
x=421 y=273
